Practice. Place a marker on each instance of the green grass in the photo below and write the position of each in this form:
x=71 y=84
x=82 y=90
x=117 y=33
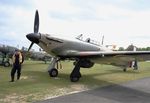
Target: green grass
x=35 y=83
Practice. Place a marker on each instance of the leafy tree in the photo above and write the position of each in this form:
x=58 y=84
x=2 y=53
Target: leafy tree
x=121 y=49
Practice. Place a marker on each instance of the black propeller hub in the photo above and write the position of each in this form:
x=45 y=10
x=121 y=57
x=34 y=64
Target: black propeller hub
x=33 y=37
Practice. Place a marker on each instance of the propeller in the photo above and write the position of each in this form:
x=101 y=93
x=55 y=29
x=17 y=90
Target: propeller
x=34 y=37
x=30 y=46
x=36 y=22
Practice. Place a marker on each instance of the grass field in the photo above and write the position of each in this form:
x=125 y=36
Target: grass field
x=35 y=83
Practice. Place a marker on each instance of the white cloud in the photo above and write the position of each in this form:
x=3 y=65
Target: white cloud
x=90 y=18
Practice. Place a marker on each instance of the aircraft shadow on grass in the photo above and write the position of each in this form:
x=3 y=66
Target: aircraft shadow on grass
x=63 y=77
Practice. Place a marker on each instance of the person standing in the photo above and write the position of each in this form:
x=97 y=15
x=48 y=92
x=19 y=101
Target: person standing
x=17 y=61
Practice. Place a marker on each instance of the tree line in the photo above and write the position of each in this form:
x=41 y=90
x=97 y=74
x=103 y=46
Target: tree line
x=132 y=47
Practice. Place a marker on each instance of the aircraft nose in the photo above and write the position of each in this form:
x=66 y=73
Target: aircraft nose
x=33 y=37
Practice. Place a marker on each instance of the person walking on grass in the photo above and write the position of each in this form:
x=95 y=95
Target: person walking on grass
x=17 y=61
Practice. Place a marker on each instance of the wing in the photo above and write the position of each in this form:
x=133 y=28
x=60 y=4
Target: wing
x=138 y=55
x=117 y=58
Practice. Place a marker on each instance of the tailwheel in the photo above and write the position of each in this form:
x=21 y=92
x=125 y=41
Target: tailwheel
x=74 y=79
x=53 y=72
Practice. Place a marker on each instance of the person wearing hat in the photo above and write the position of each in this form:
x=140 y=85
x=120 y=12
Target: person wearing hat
x=17 y=61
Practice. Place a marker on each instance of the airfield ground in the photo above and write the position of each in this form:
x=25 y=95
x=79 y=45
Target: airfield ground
x=35 y=83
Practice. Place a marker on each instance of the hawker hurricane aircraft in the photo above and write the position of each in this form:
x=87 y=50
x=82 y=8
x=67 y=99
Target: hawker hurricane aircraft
x=84 y=53
x=6 y=52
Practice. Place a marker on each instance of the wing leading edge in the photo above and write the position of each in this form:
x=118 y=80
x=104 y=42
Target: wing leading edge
x=94 y=54
x=117 y=58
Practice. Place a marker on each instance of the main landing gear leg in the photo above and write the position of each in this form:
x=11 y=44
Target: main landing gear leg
x=76 y=75
x=53 y=72
x=135 y=65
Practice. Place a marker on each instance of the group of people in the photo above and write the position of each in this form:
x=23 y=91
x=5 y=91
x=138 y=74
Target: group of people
x=17 y=60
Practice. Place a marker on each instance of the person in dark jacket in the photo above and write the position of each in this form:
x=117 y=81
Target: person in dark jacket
x=17 y=61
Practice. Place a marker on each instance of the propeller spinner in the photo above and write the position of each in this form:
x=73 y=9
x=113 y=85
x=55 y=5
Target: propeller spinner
x=34 y=37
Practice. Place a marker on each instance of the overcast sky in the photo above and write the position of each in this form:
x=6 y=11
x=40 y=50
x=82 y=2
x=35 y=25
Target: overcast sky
x=122 y=22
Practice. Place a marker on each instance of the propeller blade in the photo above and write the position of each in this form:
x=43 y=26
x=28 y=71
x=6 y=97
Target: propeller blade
x=30 y=46
x=36 y=22
x=102 y=40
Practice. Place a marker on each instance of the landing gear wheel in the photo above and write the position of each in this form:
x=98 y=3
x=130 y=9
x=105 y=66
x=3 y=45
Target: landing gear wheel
x=74 y=79
x=124 y=69
x=6 y=64
x=53 y=72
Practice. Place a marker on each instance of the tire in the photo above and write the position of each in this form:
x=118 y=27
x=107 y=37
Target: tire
x=53 y=72
x=124 y=69
x=6 y=64
x=74 y=79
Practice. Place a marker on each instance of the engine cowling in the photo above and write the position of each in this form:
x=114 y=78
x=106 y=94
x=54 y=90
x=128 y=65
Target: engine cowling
x=85 y=63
